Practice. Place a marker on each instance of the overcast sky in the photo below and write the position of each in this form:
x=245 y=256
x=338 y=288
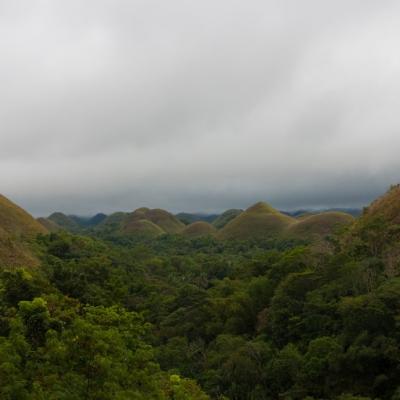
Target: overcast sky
x=198 y=105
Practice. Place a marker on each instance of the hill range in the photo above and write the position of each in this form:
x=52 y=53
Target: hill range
x=260 y=221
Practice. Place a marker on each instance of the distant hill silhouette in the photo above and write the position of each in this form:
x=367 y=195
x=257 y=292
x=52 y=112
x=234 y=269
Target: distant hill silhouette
x=88 y=222
x=64 y=222
x=355 y=212
x=188 y=218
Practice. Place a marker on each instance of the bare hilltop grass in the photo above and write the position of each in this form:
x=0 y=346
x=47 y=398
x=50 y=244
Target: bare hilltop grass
x=17 y=229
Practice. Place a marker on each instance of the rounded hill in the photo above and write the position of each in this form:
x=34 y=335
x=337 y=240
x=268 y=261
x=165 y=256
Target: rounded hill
x=142 y=227
x=258 y=221
x=167 y=222
x=198 y=229
x=321 y=225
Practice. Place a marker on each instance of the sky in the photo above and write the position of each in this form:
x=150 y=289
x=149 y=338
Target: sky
x=188 y=105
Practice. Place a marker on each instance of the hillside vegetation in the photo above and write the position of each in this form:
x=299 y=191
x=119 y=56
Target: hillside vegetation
x=17 y=230
x=377 y=232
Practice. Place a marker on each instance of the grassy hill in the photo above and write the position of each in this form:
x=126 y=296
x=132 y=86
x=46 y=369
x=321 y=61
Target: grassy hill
x=164 y=220
x=17 y=229
x=386 y=207
x=259 y=221
x=141 y=227
x=226 y=217
x=198 y=229
x=323 y=224
x=16 y=221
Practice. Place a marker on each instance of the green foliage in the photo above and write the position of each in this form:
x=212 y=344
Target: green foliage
x=176 y=318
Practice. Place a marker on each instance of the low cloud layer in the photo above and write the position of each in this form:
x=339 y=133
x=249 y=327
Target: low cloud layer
x=198 y=105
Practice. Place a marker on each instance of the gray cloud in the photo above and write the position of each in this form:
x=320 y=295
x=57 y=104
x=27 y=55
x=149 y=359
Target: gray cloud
x=113 y=104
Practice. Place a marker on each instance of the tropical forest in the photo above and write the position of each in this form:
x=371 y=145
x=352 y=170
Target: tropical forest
x=253 y=304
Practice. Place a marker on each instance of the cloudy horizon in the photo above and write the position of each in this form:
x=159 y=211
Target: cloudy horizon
x=198 y=106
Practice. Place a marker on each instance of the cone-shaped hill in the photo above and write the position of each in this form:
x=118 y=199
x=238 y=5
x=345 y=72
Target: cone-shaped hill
x=259 y=221
x=198 y=229
x=322 y=224
x=17 y=228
